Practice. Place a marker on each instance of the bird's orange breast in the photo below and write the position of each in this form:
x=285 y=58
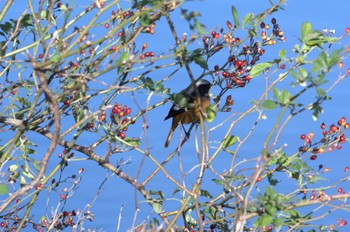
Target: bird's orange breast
x=192 y=114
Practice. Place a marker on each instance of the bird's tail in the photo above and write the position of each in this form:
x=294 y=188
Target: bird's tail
x=170 y=135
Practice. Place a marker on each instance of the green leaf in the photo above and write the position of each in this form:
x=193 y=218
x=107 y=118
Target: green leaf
x=229 y=141
x=263 y=220
x=306 y=29
x=145 y=19
x=176 y=191
x=303 y=73
x=201 y=62
x=277 y=94
x=211 y=113
x=320 y=92
x=121 y=62
x=270 y=209
x=26 y=20
x=259 y=68
x=199 y=27
x=158 y=207
x=235 y=16
x=78 y=114
x=43 y=14
x=218 y=182
x=334 y=58
x=320 y=62
x=12 y=168
x=7 y=27
x=4 y=189
x=159 y=87
x=269 y=105
x=272 y=181
x=205 y=193
x=123 y=57
x=180 y=100
x=149 y=83
x=22 y=181
x=282 y=53
x=247 y=19
x=285 y=97
x=298 y=78
x=133 y=142
x=278 y=222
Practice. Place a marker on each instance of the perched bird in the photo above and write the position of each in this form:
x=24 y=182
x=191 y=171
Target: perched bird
x=197 y=104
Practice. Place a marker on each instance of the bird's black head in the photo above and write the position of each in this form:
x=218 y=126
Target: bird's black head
x=203 y=87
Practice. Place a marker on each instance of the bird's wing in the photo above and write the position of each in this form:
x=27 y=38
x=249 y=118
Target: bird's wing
x=181 y=103
x=174 y=110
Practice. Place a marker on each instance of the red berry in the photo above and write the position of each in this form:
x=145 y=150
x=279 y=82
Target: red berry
x=340 y=190
x=144 y=46
x=120 y=33
x=262 y=51
x=348 y=71
x=313 y=157
x=273 y=21
x=347 y=30
x=334 y=129
x=347 y=125
x=340 y=65
x=127 y=111
x=346 y=169
x=303 y=136
x=107 y=25
x=342 y=121
x=229 y=24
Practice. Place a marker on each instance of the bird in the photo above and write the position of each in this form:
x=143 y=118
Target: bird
x=196 y=104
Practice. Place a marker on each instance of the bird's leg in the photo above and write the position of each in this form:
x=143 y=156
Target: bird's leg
x=187 y=133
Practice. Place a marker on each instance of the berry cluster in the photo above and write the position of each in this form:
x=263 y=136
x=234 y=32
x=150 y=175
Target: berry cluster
x=235 y=73
x=65 y=220
x=276 y=34
x=228 y=103
x=119 y=115
x=341 y=65
x=333 y=138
